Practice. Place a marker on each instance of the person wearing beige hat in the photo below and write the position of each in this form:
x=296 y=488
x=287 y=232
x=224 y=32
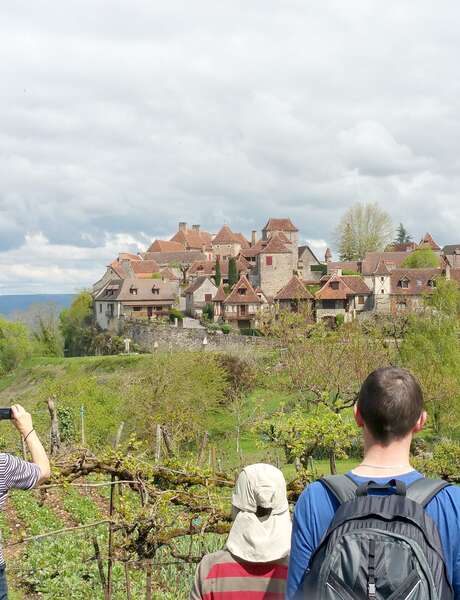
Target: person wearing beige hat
x=255 y=558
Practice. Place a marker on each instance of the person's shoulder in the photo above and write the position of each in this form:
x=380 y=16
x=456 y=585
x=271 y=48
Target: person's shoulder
x=313 y=491
x=451 y=494
x=214 y=558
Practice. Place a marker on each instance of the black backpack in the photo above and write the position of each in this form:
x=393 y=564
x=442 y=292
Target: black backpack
x=379 y=547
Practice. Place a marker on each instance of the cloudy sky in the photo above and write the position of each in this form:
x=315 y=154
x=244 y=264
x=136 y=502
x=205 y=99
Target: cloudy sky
x=120 y=118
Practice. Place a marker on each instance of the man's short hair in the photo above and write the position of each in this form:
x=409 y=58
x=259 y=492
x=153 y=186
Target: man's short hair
x=390 y=403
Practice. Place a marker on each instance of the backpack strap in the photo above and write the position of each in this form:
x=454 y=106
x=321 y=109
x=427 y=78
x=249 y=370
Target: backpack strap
x=424 y=490
x=342 y=487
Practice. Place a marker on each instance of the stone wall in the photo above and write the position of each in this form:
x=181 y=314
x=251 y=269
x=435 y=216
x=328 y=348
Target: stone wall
x=176 y=338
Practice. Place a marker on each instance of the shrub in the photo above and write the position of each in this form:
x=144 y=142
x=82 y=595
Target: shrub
x=423 y=258
x=208 y=312
x=339 y=320
x=15 y=345
x=175 y=313
x=226 y=329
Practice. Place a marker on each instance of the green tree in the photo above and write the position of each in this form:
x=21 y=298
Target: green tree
x=77 y=325
x=15 y=345
x=302 y=435
x=218 y=274
x=347 y=247
x=431 y=350
x=422 y=258
x=363 y=228
x=232 y=272
x=402 y=235
x=42 y=320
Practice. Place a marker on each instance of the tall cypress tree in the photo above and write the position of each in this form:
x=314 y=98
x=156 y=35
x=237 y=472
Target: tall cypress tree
x=232 y=272
x=218 y=273
x=402 y=235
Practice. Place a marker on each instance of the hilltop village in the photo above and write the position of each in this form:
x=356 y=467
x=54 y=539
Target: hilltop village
x=231 y=279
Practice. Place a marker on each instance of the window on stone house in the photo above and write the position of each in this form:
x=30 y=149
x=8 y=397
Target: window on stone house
x=361 y=299
x=401 y=305
x=137 y=308
x=242 y=291
x=100 y=307
x=269 y=261
x=133 y=291
x=382 y=291
x=328 y=304
x=208 y=297
x=334 y=285
x=382 y=279
x=155 y=291
x=432 y=283
x=403 y=283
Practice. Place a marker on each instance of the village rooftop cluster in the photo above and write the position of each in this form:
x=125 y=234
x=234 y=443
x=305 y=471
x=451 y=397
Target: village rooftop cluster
x=273 y=272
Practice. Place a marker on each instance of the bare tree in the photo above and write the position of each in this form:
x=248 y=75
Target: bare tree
x=363 y=228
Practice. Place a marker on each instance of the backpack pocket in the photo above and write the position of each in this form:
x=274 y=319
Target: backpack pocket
x=337 y=586
x=409 y=589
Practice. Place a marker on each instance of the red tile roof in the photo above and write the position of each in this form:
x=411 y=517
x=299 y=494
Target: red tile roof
x=145 y=267
x=417 y=279
x=294 y=290
x=428 y=240
x=249 y=297
x=220 y=294
x=347 y=265
x=193 y=239
x=128 y=256
x=392 y=260
x=347 y=285
x=280 y=225
x=226 y=236
x=166 y=246
x=275 y=246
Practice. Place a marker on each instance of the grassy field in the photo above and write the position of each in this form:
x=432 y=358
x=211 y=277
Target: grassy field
x=63 y=567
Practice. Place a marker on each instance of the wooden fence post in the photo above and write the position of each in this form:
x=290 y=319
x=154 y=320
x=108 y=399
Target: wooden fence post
x=158 y=437
x=55 y=437
x=82 y=425
x=204 y=443
x=148 y=580
x=168 y=441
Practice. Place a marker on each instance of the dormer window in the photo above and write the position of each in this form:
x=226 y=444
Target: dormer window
x=242 y=291
x=432 y=283
x=133 y=291
x=403 y=283
x=334 y=285
x=155 y=290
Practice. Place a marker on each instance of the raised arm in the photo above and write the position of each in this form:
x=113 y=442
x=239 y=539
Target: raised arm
x=23 y=423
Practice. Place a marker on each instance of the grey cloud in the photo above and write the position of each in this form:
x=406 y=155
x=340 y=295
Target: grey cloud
x=126 y=117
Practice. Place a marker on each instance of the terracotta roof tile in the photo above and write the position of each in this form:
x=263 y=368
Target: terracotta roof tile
x=226 y=236
x=249 y=297
x=145 y=294
x=280 y=225
x=340 y=287
x=417 y=281
x=145 y=267
x=166 y=246
x=294 y=290
x=193 y=239
x=428 y=241
x=275 y=246
x=220 y=294
x=372 y=259
x=169 y=258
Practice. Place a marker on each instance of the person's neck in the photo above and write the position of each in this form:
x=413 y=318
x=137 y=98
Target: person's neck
x=385 y=460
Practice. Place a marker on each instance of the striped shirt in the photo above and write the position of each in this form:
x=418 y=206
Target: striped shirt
x=15 y=473
x=222 y=576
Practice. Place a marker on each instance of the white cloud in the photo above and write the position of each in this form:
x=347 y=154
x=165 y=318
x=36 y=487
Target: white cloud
x=124 y=119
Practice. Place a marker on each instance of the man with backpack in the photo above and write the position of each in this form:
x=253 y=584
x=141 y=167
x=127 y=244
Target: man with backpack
x=383 y=531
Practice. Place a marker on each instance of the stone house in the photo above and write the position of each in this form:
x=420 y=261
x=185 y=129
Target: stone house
x=194 y=239
x=309 y=267
x=287 y=232
x=126 y=265
x=452 y=255
x=218 y=302
x=199 y=294
x=403 y=290
x=227 y=244
x=294 y=295
x=274 y=266
x=346 y=295
x=241 y=306
x=134 y=298
x=207 y=268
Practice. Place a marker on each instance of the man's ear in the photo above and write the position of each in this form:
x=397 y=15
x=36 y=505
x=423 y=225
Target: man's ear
x=358 y=417
x=421 y=422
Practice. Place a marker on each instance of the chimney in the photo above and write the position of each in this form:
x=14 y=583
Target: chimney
x=253 y=237
x=196 y=228
x=328 y=255
x=182 y=226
